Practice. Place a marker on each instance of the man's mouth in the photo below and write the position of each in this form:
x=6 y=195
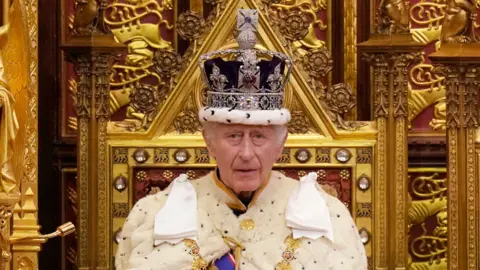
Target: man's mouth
x=246 y=170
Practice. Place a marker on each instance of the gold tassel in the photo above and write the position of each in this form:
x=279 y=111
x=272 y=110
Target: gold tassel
x=237 y=246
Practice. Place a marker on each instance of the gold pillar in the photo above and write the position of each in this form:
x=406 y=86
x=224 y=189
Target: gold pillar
x=92 y=50
x=92 y=69
x=390 y=57
x=461 y=67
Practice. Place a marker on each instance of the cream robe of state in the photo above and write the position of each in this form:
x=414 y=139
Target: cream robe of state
x=289 y=224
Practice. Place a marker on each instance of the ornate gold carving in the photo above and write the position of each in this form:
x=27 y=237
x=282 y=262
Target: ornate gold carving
x=350 y=45
x=144 y=99
x=31 y=143
x=432 y=90
x=201 y=155
x=191 y=174
x=460 y=76
x=384 y=64
x=340 y=99
x=150 y=65
x=323 y=155
x=344 y=175
x=285 y=156
x=83 y=189
x=83 y=98
x=168 y=175
x=400 y=82
x=453 y=192
x=25 y=263
x=289 y=254
x=89 y=17
x=187 y=122
x=422 y=75
x=322 y=175
x=5 y=215
x=318 y=63
x=401 y=190
x=167 y=63
x=472 y=230
x=83 y=112
x=297 y=12
x=161 y=155
x=120 y=210
x=439 y=120
x=459 y=24
x=298 y=124
x=392 y=17
x=428 y=15
x=432 y=248
x=429 y=187
x=190 y=25
x=198 y=262
x=247 y=225
x=381 y=190
x=420 y=210
x=101 y=70
x=125 y=20
x=472 y=75
x=364 y=210
x=141 y=176
x=294 y=26
x=120 y=155
x=364 y=155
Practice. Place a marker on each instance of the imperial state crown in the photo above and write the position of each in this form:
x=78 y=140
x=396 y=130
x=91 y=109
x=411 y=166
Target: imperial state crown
x=245 y=85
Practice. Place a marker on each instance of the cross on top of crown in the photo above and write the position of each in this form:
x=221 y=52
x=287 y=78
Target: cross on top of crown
x=247 y=20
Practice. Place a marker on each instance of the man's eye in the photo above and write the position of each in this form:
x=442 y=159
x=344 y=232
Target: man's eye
x=234 y=136
x=259 y=136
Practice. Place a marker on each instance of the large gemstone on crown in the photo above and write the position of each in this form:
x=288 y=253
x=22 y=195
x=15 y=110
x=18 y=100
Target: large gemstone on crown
x=249 y=80
x=248 y=103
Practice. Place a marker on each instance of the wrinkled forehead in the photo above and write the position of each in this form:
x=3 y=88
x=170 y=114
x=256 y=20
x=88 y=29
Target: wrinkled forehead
x=226 y=128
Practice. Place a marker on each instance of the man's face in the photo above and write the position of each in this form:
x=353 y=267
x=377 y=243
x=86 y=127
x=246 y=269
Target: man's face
x=245 y=154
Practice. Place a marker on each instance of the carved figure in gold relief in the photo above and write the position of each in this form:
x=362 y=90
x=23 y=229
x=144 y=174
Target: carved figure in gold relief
x=431 y=245
x=458 y=26
x=128 y=27
x=8 y=121
x=88 y=17
x=85 y=13
x=130 y=23
x=439 y=121
x=393 y=17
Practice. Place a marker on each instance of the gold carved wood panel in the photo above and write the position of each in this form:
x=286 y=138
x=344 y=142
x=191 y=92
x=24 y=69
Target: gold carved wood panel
x=428 y=218
x=427 y=88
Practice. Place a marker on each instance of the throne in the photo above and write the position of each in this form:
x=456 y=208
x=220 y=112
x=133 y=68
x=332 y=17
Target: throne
x=146 y=155
x=151 y=134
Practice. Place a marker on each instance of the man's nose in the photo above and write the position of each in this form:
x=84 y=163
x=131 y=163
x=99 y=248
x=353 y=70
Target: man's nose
x=246 y=153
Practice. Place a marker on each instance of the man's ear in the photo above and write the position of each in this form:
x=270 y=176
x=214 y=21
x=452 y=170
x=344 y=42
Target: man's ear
x=208 y=142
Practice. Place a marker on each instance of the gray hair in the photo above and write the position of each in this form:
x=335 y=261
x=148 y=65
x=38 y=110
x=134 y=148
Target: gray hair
x=209 y=127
